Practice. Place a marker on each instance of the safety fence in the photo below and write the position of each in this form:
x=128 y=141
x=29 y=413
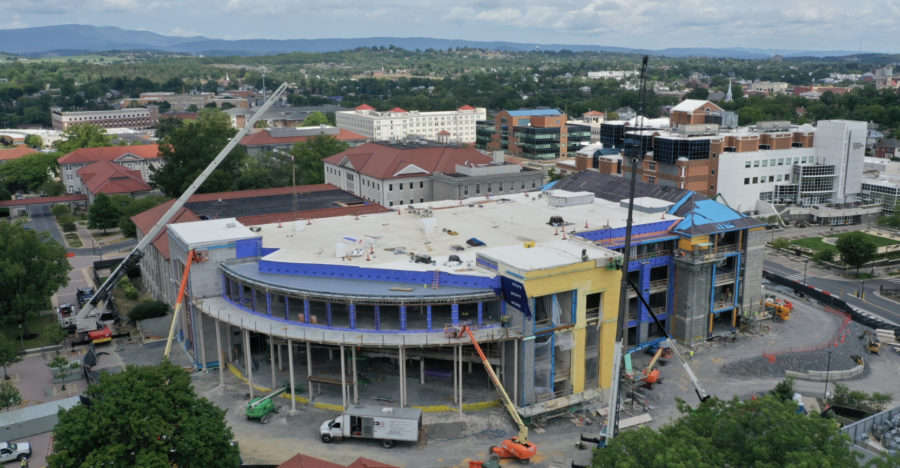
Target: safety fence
x=890 y=294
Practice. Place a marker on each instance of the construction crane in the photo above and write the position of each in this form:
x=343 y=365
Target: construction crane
x=635 y=151
x=88 y=318
x=518 y=447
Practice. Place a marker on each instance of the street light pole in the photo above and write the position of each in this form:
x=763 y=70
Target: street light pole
x=805 y=266
x=827 y=371
x=22 y=337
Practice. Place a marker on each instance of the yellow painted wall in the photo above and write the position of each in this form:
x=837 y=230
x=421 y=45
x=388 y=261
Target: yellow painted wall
x=586 y=278
x=687 y=243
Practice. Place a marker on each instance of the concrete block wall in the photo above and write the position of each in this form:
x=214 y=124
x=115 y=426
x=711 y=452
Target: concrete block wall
x=751 y=280
x=821 y=376
x=692 y=302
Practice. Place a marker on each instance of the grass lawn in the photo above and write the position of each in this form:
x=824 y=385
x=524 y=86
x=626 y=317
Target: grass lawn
x=879 y=241
x=37 y=325
x=100 y=236
x=74 y=241
x=860 y=276
x=814 y=243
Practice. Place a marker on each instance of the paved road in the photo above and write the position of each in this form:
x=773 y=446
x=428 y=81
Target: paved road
x=42 y=220
x=884 y=308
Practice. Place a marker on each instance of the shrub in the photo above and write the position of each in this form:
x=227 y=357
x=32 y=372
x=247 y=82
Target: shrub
x=146 y=310
x=128 y=288
x=59 y=210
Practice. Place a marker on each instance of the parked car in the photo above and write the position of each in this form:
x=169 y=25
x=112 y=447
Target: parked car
x=10 y=451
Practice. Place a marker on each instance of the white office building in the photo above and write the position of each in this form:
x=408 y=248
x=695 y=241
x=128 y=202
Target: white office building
x=456 y=125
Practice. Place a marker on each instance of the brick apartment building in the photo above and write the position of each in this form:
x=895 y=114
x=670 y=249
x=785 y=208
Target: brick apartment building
x=887 y=148
x=181 y=102
x=139 y=159
x=532 y=134
x=136 y=119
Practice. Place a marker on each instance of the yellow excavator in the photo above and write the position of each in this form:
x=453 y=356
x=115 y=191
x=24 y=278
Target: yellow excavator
x=518 y=447
x=873 y=346
x=779 y=308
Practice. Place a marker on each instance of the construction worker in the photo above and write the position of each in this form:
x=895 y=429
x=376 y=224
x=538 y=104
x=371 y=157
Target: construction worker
x=24 y=463
x=504 y=321
x=691 y=358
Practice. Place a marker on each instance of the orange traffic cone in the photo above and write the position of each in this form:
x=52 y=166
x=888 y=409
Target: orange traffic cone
x=564 y=234
x=367 y=258
x=357 y=216
x=585 y=225
x=373 y=248
x=557 y=232
x=308 y=221
x=279 y=223
x=398 y=212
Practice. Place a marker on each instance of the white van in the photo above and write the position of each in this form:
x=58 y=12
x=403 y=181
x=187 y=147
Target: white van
x=374 y=422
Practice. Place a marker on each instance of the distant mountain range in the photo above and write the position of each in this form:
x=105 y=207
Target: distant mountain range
x=74 y=39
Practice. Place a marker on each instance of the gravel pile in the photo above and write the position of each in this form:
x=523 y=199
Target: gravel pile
x=803 y=362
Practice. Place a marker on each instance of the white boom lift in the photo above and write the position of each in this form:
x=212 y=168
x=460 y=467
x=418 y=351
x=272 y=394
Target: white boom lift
x=88 y=318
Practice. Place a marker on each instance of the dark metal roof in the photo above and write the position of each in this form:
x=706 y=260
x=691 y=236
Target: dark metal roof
x=615 y=189
x=271 y=204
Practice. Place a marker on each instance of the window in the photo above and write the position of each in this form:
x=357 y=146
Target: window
x=756 y=180
x=651 y=179
x=651 y=166
x=489 y=187
x=523 y=184
x=533 y=183
x=392 y=204
x=765 y=163
x=69 y=177
x=714 y=155
x=421 y=200
x=477 y=189
x=787 y=177
x=772 y=162
x=401 y=186
x=390 y=187
x=411 y=201
x=778 y=178
x=466 y=190
x=421 y=184
x=713 y=172
x=401 y=202
x=500 y=187
x=796 y=160
x=746 y=181
x=712 y=187
x=771 y=178
x=755 y=163
x=781 y=161
x=746 y=164
x=803 y=160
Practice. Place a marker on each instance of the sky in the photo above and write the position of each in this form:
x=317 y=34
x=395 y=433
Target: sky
x=651 y=24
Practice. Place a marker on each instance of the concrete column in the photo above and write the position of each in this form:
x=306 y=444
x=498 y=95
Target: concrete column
x=402 y=317
x=328 y=313
x=401 y=360
x=516 y=372
x=308 y=366
x=291 y=366
x=460 y=381
x=352 y=308
x=455 y=385
x=378 y=317
x=429 y=318
x=355 y=380
x=422 y=370
x=193 y=311
x=228 y=356
x=272 y=358
x=343 y=379
x=454 y=314
x=480 y=314
x=248 y=361
x=280 y=365
x=219 y=353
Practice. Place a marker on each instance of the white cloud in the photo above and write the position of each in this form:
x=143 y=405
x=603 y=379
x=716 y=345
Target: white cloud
x=15 y=23
x=183 y=33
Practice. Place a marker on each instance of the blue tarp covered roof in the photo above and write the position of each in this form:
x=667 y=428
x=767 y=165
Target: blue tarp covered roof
x=703 y=216
x=534 y=112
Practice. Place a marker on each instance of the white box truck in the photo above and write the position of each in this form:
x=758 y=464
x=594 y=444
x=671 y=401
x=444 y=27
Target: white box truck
x=374 y=422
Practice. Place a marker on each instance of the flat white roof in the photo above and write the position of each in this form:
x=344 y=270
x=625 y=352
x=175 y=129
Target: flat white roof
x=525 y=218
x=211 y=231
x=547 y=255
x=648 y=202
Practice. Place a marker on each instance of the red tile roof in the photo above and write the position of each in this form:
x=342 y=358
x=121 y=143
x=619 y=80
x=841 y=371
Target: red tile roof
x=146 y=220
x=15 y=153
x=443 y=132
x=364 y=107
x=109 y=177
x=593 y=113
x=264 y=138
x=109 y=153
x=366 y=463
x=466 y=107
x=305 y=461
x=384 y=161
x=397 y=110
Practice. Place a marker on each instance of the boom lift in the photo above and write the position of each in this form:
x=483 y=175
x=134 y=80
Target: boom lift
x=518 y=447
x=191 y=257
x=88 y=319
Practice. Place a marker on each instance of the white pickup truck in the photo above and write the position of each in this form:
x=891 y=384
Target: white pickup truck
x=374 y=422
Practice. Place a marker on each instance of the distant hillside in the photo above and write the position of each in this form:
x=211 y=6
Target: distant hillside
x=84 y=38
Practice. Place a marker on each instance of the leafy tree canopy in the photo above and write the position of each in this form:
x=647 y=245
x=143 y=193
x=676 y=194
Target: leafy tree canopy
x=315 y=119
x=856 y=249
x=103 y=214
x=32 y=268
x=187 y=151
x=82 y=136
x=34 y=141
x=309 y=155
x=129 y=207
x=146 y=416
x=29 y=172
x=762 y=433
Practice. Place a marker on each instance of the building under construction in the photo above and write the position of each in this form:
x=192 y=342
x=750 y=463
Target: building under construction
x=535 y=274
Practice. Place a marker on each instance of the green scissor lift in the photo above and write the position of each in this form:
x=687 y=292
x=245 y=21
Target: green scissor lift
x=262 y=407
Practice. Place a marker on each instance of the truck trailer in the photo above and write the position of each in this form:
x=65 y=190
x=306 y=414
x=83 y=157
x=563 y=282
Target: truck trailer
x=374 y=422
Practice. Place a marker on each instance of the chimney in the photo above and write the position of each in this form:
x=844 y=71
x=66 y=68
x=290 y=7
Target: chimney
x=499 y=157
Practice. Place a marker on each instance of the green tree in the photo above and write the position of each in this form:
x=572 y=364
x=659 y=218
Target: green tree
x=781 y=243
x=61 y=366
x=9 y=395
x=315 y=119
x=67 y=223
x=32 y=268
x=56 y=335
x=59 y=210
x=159 y=421
x=785 y=390
x=856 y=249
x=9 y=354
x=82 y=136
x=886 y=460
x=4 y=193
x=52 y=188
x=825 y=255
x=554 y=175
x=741 y=433
x=309 y=155
x=192 y=108
x=698 y=93
x=166 y=125
x=189 y=149
x=133 y=207
x=103 y=214
x=34 y=141
x=612 y=116
x=28 y=172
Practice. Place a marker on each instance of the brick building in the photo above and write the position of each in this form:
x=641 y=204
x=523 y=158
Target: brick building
x=532 y=134
x=887 y=148
x=138 y=118
x=142 y=158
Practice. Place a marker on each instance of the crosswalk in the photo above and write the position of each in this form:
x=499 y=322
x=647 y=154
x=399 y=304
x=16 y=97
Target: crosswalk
x=799 y=277
x=893 y=279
